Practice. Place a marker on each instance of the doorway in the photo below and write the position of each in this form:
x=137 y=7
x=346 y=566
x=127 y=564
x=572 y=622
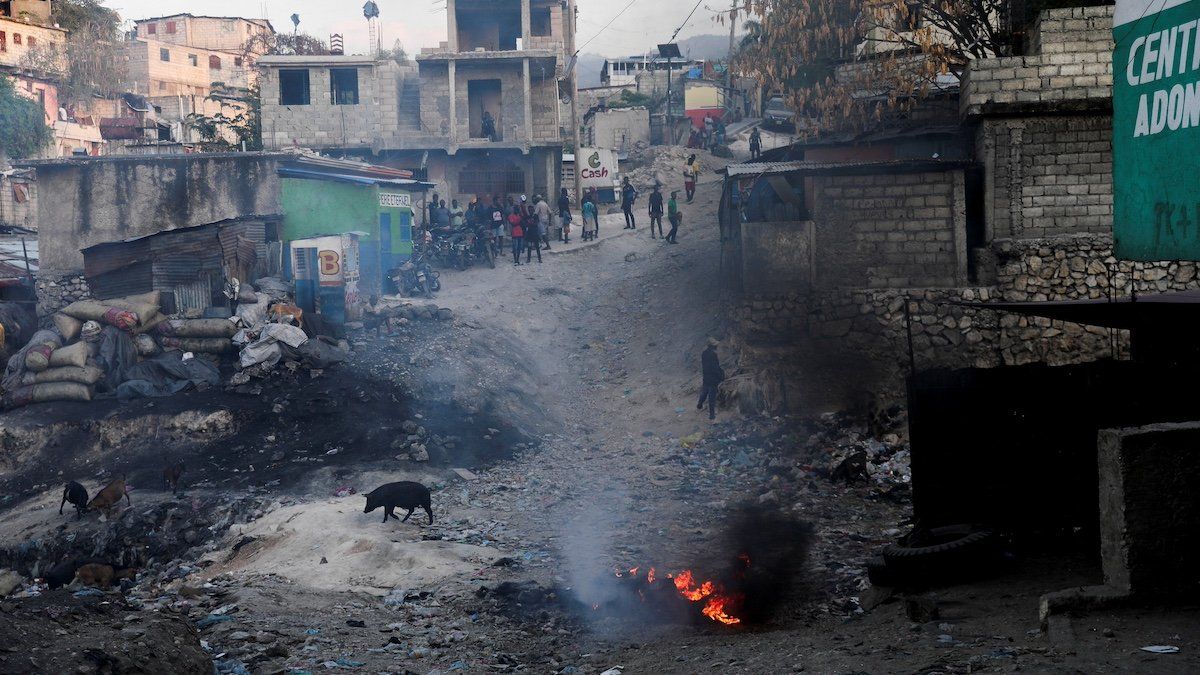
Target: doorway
x=484 y=96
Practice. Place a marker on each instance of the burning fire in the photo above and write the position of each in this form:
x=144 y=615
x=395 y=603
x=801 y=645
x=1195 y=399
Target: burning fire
x=718 y=605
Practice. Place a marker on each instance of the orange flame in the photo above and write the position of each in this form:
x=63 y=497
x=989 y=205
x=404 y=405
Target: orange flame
x=715 y=610
x=650 y=576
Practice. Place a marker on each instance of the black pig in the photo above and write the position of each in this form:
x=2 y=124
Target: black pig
x=77 y=495
x=406 y=495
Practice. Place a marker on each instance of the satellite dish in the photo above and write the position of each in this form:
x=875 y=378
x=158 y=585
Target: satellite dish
x=370 y=10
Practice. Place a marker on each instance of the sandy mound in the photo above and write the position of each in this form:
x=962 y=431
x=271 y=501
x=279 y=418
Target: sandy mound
x=363 y=554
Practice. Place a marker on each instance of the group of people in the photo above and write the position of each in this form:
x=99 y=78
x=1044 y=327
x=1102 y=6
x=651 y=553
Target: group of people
x=629 y=195
x=524 y=223
x=710 y=135
x=528 y=224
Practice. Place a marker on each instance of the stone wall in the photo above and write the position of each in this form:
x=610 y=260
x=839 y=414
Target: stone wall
x=1047 y=175
x=871 y=322
x=890 y=230
x=54 y=293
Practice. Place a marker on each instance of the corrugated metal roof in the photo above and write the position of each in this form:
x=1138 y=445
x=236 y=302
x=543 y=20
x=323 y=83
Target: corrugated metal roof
x=314 y=174
x=896 y=165
x=12 y=253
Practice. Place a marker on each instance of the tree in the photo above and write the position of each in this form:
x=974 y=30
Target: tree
x=851 y=63
x=23 y=130
x=396 y=53
x=283 y=44
x=237 y=125
x=94 y=62
x=240 y=120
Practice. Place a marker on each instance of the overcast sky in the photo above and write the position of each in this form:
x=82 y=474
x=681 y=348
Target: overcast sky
x=419 y=23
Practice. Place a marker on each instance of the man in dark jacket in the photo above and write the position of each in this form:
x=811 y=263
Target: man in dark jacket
x=628 y=197
x=710 y=366
x=656 y=211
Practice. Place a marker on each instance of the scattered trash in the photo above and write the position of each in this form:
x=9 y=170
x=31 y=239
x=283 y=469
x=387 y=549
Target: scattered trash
x=1161 y=649
x=89 y=593
x=344 y=491
x=615 y=670
x=212 y=619
x=465 y=474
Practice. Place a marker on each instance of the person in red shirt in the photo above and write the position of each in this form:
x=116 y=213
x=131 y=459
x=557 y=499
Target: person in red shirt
x=518 y=236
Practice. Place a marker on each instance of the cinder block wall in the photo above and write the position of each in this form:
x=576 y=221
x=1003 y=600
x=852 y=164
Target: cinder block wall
x=1073 y=62
x=1047 y=175
x=323 y=124
x=890 y=231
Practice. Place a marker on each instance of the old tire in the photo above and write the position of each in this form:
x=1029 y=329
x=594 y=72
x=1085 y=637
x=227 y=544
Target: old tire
x=944 y=555
x=880 y=574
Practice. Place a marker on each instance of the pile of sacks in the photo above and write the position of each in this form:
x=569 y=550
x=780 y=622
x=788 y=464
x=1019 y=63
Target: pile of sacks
x=124 y=346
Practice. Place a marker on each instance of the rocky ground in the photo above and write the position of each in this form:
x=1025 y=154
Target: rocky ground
x=552 y=412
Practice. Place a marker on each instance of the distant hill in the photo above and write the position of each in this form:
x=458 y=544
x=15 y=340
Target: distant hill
x=589 y=67
x=706 y=47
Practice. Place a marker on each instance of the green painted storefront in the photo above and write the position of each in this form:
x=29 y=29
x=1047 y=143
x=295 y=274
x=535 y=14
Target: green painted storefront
x=1156 y=130
x=320 y=205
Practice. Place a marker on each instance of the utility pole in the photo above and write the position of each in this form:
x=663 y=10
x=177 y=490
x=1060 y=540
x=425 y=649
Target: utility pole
x=578 y=163
x=729 y=57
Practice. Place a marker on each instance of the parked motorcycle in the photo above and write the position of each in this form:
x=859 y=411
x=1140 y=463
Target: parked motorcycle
x=417 y=276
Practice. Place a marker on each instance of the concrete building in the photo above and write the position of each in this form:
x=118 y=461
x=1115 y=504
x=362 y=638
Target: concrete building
x=228 y=34
x=177 y=61
x=1017 y=207
x=624 y=72
x=617 y=129
x=503 y=58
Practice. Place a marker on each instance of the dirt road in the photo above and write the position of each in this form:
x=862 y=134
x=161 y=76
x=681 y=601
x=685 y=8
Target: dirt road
x=586 y=368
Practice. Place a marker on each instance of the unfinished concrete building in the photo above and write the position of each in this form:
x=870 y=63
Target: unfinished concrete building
x=503 y=60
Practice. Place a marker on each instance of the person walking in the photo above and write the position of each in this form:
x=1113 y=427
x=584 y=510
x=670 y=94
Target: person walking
x=564 y=214
x=496 y=216
x=628 y=197
x=517 y=233
x=533 y=238
x=541 y=210
x=674 y=217
x=589 y=219
x=713 y=376
x=691 y=172
x=656 y=211
x=594 y=197
x=755 y=144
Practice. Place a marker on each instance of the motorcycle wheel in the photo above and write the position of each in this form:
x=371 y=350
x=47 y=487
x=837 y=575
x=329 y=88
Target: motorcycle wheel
x=436 y=284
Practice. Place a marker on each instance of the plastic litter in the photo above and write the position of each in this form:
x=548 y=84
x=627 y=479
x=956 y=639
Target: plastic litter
x=1161 y=649
x=212 y=620
x=88 y=593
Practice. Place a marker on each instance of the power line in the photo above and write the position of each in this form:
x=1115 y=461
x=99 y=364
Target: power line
x=682 y=25
x=610 y=22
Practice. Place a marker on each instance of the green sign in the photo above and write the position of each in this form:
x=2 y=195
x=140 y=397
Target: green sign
x=1156 y=130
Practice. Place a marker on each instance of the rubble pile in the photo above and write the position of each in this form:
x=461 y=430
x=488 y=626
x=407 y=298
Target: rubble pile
x=129 y=348
x=663 y=165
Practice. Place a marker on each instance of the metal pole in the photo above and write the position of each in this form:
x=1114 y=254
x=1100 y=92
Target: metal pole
x=729 y=59
x=912 y=360
x=577 y=165
x=25 y=252
x=668 y=132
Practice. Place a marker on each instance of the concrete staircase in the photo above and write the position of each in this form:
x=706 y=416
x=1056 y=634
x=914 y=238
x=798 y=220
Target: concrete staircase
x=410 y=103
